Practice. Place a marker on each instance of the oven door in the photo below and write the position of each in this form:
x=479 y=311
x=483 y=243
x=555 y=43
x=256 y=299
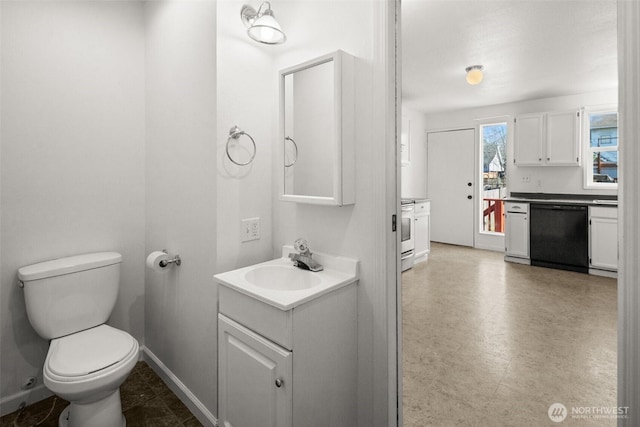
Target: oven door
x=406 y=228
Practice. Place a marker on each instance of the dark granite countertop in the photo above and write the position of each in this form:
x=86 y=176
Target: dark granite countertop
x=565 y=199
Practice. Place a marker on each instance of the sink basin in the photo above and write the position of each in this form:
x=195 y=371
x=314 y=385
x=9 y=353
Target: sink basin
x=281 y=285
x=281 y=278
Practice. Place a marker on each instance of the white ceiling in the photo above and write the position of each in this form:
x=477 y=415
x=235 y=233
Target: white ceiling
x=530 y=49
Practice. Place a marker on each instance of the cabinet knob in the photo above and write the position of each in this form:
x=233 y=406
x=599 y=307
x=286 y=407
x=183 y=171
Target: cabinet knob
x=279 y=382
x=469 y=197
x=469 y=184
x=548 y=158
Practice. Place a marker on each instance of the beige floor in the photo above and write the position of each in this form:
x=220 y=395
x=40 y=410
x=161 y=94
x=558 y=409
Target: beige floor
x=489 y=343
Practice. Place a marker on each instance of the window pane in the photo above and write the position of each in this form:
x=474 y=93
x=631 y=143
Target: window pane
x=603 y=129
x=494 y=175
x=605 y=166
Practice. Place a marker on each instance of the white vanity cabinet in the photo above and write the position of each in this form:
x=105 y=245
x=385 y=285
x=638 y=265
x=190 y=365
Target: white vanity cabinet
x=422 y=238
x=282 y=368
x=547 y=139
x=603 y=239
x=517 y=232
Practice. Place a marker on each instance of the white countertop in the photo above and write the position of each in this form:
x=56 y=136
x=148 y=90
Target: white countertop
x=338 y=272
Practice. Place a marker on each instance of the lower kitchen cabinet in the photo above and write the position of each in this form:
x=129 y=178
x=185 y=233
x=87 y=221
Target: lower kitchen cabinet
x=422 y=231
x=517 y=232
x=603 y=238
x=283 y=368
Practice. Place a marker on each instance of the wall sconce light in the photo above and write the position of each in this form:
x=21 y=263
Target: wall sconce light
x=474 y=74
x=262 y=25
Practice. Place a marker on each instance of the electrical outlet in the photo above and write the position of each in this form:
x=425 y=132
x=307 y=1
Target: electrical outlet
x=526 y=179
x=250 y=229
x=29 y=383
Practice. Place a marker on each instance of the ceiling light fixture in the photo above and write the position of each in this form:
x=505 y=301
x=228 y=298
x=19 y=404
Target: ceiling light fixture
x=474 y=74
x=262 y=25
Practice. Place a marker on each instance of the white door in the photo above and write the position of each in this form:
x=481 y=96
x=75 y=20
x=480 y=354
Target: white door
x=254 y=378
x=451 y=185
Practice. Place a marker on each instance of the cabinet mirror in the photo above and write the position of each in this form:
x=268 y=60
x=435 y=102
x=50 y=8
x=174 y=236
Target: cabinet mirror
x=316 y=131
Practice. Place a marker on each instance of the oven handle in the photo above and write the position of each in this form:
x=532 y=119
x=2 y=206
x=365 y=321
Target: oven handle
x=408 y=255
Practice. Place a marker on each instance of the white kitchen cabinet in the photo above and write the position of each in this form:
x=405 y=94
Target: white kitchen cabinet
x=547 y=139
x=311 y=349
x=517 y=231
x=422 y=238
x=528 y=139
x=603 y=238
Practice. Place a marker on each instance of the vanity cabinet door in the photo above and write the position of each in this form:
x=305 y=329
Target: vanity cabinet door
x=255 y=378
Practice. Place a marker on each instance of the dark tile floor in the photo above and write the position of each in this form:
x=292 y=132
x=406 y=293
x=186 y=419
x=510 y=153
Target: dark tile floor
x=146 y=401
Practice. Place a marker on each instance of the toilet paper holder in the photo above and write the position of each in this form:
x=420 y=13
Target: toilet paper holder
x=176 y=260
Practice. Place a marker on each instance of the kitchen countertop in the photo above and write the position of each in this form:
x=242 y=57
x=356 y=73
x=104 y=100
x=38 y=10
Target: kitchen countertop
x=565 y=199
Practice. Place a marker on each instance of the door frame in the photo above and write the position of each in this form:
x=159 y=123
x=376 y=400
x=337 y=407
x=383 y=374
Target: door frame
x=629 y=212
x=628 y=193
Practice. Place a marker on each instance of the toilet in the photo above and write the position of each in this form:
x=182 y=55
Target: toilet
x=68 y=301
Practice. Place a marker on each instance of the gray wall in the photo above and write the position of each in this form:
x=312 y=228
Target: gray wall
x=180 y=304
x=72 y=156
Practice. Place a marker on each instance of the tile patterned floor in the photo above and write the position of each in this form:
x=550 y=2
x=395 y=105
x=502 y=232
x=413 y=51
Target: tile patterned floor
x=489 y=343
x=146 y=402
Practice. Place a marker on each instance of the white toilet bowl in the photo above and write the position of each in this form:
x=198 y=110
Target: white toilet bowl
x=87 y=368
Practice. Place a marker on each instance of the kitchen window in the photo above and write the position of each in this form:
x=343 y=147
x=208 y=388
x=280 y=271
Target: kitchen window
x=601 y=145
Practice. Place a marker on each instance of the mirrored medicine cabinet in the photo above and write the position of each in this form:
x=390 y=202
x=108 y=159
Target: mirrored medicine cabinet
x=317 y=131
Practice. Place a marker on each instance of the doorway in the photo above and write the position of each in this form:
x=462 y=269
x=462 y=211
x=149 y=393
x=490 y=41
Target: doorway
x=463 y=118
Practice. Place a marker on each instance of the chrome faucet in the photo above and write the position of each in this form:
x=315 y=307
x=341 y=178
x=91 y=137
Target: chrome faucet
x=303 y=259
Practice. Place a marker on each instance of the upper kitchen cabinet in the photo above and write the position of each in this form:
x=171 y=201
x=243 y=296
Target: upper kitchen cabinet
x=547 y=139
x=528 y=142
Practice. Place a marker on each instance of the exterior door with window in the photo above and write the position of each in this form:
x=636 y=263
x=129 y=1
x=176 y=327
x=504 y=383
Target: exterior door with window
x=451 y=185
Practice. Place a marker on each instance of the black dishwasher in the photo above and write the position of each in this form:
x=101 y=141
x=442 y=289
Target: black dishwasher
x=559 y=236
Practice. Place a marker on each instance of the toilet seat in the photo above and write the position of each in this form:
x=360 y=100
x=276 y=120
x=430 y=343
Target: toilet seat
x=89 y=353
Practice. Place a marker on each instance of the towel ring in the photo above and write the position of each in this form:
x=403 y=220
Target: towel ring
x=296 y=158
x=235 y=133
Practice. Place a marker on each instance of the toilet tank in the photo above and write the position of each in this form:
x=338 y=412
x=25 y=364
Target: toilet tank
x=67 y=295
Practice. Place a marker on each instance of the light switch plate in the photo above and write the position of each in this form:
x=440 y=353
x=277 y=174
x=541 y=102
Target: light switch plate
x=250 y=229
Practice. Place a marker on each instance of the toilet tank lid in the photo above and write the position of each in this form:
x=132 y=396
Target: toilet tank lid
x=67 y=265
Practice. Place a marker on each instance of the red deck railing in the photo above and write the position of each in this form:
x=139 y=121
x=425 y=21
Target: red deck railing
x=492 y=215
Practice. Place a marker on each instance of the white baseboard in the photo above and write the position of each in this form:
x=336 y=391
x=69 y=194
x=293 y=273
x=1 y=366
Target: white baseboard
x=486 y=247
x=421 y=258
x=517 y=260
x=603 y=273
x=11 y=403
x=184 y=394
